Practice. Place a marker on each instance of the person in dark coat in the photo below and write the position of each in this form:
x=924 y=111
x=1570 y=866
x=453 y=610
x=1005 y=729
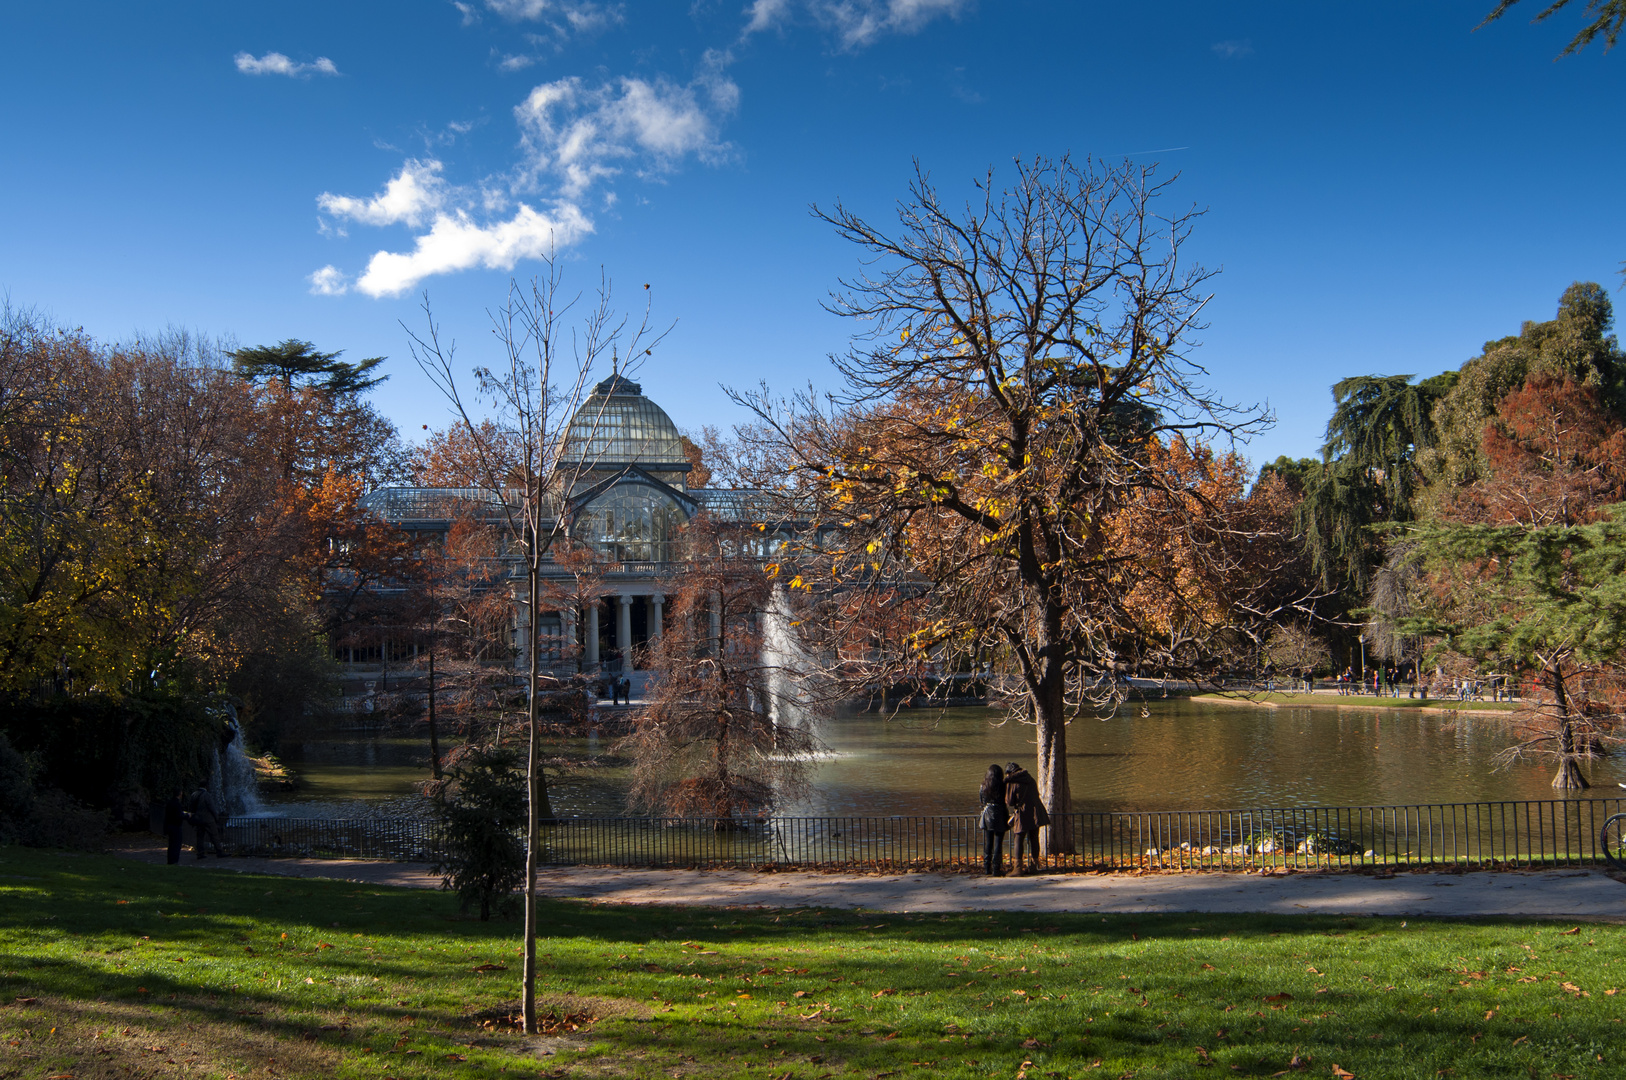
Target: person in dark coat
x=995 y=820
x=174 y=823
x=206 y=822
x=1028 y=814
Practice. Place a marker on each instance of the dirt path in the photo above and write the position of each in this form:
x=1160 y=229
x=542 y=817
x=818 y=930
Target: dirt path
x=1557 y=894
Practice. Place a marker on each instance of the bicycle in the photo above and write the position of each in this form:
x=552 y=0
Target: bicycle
x=1612 y=839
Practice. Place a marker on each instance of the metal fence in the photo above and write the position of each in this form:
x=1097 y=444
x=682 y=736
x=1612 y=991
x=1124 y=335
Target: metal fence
x=1557 y=832
x=401 y=839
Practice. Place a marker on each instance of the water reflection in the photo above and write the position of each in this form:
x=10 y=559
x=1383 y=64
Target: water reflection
x=1181 y=756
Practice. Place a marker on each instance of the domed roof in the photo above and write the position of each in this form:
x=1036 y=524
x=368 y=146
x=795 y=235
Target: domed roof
x=617 y=425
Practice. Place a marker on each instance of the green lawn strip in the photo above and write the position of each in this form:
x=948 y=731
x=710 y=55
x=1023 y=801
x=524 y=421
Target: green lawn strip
x=140 y=970
x=1353 y=701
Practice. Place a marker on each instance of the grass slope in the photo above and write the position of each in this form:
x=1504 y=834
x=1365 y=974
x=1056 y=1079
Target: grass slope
x=117 y=969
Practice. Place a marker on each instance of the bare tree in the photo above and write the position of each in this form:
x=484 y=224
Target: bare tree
x=532 y=394
x=1017 y=449
x=727 y=731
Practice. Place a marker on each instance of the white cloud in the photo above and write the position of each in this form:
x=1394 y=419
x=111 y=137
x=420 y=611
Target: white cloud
x=574 y=136
x=329 y=281
x=580 y=16
x=455 y=242
x=1230 y=49
x=515 y=63
x=765 y=15
x=856 y=23
x=583 y=134
x=411 y=196
x=274 y=63
x=520 y=9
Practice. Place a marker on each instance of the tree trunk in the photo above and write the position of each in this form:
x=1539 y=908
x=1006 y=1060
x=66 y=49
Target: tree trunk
x=1569 y=776
x=434 y=736
x=1050 y=727
x=537 y=796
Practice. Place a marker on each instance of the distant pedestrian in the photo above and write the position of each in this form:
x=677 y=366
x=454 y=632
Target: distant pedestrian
x=1028 y=814
x=995 y=821
x=626 y=689
x=174 y=824
x=206 y=822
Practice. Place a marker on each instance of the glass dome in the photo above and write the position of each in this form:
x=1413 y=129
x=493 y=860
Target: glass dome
x=617 y=425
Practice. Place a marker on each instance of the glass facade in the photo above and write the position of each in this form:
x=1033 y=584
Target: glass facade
x=631 y=523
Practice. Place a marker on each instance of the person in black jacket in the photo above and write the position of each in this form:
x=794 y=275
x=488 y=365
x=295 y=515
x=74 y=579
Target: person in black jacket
x=1028 y=814
x=206 y=822
x=995 y=820
x=174 y=824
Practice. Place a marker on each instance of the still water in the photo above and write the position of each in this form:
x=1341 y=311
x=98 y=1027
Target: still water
x=1180 y=756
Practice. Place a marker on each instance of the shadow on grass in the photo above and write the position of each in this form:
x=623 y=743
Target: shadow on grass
x=214 y=971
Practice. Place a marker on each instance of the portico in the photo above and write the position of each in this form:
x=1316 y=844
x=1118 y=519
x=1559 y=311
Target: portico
x=623 y=625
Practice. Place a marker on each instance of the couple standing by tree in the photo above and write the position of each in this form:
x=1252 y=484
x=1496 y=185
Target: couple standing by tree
x=1010 y=800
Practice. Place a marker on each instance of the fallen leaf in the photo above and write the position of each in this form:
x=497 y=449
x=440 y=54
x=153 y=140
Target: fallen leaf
x=491 y=967
x=883 y=993
x=1280 y=997
x=1342 y=1073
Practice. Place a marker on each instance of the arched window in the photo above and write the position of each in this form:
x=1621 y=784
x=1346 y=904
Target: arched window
x=631 y=524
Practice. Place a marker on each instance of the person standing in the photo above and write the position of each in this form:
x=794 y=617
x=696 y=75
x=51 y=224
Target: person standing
x=206 y=822
x=1028 y=814
x=174 y=824
x=995 y=821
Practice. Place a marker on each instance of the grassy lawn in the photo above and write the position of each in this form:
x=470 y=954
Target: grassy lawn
x=1354 y=701
x=110 y=968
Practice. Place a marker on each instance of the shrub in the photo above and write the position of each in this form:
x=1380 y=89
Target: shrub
x=482 y=806
x=42 y=818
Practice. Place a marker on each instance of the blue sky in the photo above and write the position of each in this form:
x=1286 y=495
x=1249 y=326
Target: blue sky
x=1385 y=188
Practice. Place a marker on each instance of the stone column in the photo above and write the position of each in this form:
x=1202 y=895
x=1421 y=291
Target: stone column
x=623 y=630
x=567 y=636
x=657 y=606
x=592 y=632
x=716 y=607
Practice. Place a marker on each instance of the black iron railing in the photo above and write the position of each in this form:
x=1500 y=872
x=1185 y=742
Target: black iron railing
x=1557 y=832
x=401 y=839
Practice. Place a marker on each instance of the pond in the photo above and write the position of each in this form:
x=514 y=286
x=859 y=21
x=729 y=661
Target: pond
x=1181 y=755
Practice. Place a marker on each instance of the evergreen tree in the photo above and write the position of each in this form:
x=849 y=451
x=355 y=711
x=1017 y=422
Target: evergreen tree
x=483 y=810
x=300 y=360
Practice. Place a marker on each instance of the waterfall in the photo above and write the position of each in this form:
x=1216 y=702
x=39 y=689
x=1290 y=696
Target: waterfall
x=232 y=782
x=787 y=665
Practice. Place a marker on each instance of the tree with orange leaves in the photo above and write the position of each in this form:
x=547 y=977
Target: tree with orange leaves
x=1523 y=567
x=717 y=739
x=458 y=456
x=1015 y=443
